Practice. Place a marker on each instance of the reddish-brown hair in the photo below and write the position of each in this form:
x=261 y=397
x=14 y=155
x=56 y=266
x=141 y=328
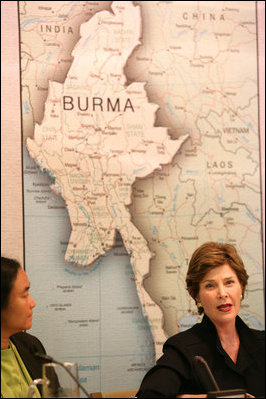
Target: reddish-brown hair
x=208 y=256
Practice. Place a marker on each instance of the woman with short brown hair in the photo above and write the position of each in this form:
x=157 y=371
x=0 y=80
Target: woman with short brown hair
x=216 y=279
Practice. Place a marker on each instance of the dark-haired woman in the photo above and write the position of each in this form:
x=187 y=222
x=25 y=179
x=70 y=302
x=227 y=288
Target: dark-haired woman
x=19 y=366
x=216 y=280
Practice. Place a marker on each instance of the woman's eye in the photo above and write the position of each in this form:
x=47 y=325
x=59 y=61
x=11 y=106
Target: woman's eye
x=209 y=285
x=229 y=282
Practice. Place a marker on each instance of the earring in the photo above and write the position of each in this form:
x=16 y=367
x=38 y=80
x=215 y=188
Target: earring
x=241 y=297
x=199 y=305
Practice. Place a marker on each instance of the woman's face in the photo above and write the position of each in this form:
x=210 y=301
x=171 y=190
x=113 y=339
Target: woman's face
x=18 y=314
x=220 y=294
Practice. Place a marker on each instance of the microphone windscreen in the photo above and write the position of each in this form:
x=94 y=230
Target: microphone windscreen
x=43 y=356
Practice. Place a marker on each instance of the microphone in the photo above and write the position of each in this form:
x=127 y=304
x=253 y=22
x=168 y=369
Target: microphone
x=43 y=356
x=216 y=392
x=199 y=360
x=50 y=359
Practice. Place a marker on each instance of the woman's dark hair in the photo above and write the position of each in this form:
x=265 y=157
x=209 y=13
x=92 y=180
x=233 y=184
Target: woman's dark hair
x=9 y=271
x=208 y=256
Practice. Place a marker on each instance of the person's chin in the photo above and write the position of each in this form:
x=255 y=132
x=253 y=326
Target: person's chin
x=226 y=315
x=28 y=325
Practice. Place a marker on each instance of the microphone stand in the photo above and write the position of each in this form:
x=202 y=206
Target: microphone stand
x=218 y=393
x=201 y=360
x=52 y=360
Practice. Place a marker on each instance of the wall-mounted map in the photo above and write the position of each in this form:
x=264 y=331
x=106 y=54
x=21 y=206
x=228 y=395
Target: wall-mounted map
x=141 y=142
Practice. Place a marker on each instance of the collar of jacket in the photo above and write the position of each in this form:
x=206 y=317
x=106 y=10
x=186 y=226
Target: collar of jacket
x=248 y=341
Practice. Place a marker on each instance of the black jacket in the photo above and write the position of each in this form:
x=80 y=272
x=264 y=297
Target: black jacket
x=27 y=345
x=175 y=371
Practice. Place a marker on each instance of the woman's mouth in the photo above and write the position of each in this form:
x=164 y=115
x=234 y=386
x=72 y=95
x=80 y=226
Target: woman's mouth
x=225 y=307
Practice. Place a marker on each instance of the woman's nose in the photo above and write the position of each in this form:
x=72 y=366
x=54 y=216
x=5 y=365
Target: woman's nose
x=222 y=291
x=33 y=303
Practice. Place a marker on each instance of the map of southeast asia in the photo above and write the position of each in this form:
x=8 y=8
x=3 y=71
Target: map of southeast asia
x=141 y=141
